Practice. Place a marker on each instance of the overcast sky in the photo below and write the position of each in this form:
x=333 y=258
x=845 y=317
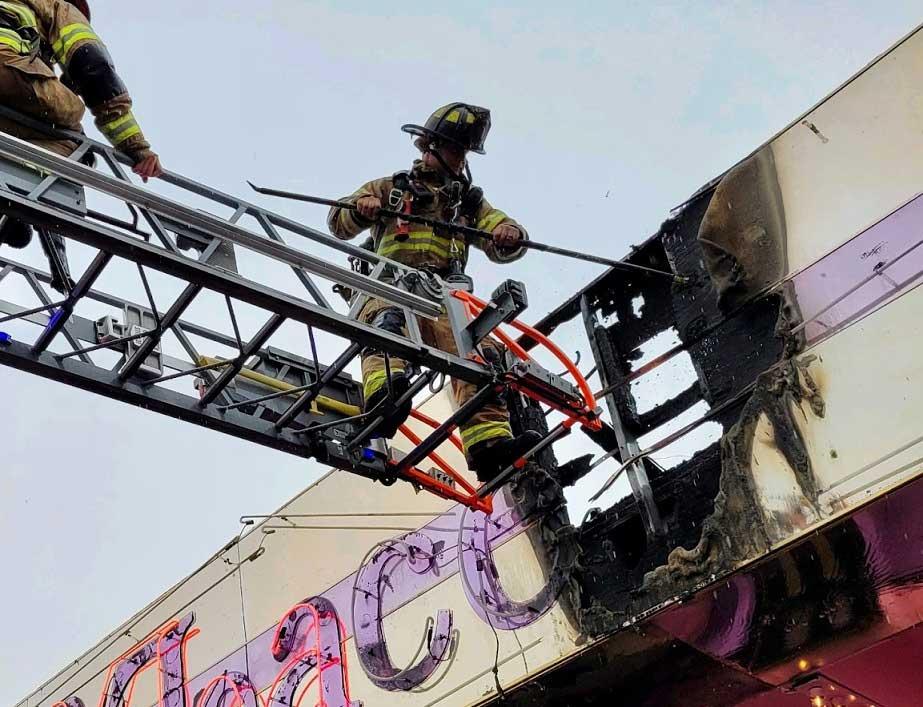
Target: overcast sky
x=606 y=114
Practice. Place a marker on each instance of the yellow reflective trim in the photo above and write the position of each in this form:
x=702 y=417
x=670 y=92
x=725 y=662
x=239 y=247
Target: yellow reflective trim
x=417 y=241
x=485 y=431
x=415 y=244
x=14 y=44
x=67 y=31
x=72 y=42
x=375 y=380
x=119 y=122
x=121 y=137
x=413 y=235
x=122 y=128
x=12 y=39
x=453 y=117
x=493 y=219
x=25 y=14
x=393 y=250
x=69 y=37
x=470 y=118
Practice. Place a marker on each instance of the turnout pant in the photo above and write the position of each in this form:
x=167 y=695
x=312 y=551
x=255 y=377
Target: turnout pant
x=491 y=422
x=30 y=87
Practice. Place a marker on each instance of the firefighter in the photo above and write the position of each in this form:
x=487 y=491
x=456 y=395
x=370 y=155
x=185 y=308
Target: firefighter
x=34 y=36
x=438 y=186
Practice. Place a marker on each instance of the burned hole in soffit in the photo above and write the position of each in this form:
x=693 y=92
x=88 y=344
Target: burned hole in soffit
x=721 y=358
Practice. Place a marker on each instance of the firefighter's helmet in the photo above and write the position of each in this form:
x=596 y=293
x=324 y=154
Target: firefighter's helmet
x=460 y=124
x=83 y=6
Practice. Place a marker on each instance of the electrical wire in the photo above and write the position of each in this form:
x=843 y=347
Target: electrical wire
x=399 y=528
x=140 y=616
x=189 y=603
x=246 y=520
x=713 y=412
x=243 y=613
x=137 y=618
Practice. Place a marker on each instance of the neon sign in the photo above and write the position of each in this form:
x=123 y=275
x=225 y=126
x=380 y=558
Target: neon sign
x=304 y=653
x=165 y=648
x=315 y=619
x=418 y=551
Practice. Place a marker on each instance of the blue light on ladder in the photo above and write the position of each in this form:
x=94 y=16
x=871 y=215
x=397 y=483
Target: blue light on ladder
x=5 y=339
x=55 y=318
x=368 y=454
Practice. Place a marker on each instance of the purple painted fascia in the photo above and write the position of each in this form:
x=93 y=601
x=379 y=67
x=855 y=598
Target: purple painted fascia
x=864 y=274
x=255 y=658
x=718 y=620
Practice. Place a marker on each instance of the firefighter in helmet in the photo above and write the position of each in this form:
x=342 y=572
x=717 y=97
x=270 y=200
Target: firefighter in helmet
x=437 y=186
x=34 y=36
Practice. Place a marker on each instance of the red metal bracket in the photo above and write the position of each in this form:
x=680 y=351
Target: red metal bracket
x=587 y=415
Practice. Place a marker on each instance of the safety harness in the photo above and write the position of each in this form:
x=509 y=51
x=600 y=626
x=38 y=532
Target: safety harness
x=463 y=202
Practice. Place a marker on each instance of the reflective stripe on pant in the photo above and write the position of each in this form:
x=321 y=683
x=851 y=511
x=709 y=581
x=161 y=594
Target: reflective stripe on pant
x=491 y=422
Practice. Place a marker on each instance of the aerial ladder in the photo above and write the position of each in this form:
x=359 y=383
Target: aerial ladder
x=296 y=403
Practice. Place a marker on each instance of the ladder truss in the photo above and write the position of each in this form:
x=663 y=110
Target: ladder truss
x=291 y=402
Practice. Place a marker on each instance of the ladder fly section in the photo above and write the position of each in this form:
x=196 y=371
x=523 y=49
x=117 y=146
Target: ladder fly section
x=293 y=402
x=263 y=390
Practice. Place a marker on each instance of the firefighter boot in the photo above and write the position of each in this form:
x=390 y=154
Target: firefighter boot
x=488 y=459
x=394 y=416
x=55 y=248
x=15 y=233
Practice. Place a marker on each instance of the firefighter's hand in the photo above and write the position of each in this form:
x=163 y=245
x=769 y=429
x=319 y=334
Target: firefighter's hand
x=368 y=206
x=507 y=236
x=148 y=166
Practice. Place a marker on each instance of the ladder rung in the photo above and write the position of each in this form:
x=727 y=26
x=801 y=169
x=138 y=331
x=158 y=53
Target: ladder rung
x=59 y=318
x=254 y=345
x=308 y=397
x=167 y=321
x=441 y=434
x=23 y=153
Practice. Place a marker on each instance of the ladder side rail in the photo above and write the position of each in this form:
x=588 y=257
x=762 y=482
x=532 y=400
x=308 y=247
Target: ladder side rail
x=155 y=223
x=204 y=191
x=28 y=272
x=300 y=273
x=28 y=155
x=223 y=282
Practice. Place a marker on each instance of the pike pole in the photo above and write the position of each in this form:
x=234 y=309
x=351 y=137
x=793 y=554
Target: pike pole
x=472 y=233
